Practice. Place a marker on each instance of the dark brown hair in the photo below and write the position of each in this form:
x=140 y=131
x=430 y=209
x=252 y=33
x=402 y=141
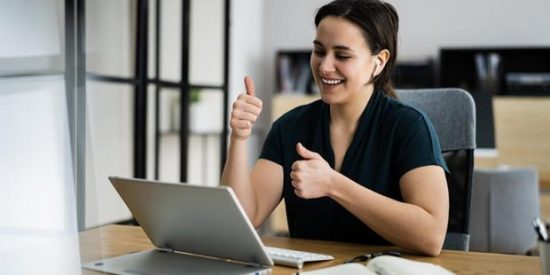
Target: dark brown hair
x=379 y=23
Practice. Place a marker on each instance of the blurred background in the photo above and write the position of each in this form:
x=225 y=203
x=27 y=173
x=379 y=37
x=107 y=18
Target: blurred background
x=142 y=88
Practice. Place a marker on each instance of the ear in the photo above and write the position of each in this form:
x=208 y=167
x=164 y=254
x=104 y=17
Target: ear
x=381 y=58
x=376 y=66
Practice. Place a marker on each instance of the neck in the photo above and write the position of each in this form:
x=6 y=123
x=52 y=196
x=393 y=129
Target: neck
x=347 y=114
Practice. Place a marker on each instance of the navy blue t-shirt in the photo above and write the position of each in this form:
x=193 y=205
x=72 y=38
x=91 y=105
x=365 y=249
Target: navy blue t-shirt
x=391 y=139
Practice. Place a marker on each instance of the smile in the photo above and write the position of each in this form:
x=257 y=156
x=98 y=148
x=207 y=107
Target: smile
x=331 y=81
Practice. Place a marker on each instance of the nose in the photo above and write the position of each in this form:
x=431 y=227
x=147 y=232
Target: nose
x=327 y=64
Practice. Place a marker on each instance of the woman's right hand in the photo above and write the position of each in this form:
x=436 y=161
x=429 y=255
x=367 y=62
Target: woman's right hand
x=246 y=110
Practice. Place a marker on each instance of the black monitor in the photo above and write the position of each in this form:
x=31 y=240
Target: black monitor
x=498 y=71
x=485 y=72
x=414 y=74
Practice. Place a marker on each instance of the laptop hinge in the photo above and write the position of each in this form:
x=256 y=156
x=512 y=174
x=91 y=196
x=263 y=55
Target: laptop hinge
x=171 y=250
x=166 y=250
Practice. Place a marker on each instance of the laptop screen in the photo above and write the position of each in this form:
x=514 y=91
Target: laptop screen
x=201 y=220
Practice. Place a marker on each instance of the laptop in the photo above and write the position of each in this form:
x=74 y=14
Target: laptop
x=195 y=229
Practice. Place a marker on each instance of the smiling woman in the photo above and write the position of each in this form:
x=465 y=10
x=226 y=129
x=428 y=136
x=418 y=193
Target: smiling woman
x=357 y=165
x=341 y=62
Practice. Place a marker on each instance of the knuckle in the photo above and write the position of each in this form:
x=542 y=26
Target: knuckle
x=257 y=110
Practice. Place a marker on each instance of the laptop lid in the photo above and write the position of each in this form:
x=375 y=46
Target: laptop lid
x=202 y=220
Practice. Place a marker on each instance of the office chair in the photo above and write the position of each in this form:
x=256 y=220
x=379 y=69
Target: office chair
x=452 y=113
x=505 y=201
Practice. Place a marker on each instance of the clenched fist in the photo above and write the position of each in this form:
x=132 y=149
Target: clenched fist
x=246 y=110
x=312 y=176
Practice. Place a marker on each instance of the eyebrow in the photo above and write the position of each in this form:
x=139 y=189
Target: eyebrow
x=338 y=47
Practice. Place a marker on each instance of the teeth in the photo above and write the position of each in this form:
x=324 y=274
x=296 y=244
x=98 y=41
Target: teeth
x=330 y=81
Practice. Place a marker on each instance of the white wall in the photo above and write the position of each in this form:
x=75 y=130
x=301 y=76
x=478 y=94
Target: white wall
x=428 y=25
x=30 y=36
x=288 y=25
x=248 y=58
x=36 y=37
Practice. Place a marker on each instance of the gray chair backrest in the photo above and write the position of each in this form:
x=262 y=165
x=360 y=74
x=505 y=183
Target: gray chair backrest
x=452 y=113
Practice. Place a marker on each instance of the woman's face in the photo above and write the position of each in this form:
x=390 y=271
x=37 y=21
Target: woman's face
x=341 y=61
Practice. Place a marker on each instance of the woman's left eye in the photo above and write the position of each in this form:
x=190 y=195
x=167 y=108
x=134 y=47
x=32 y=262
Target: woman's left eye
x=342 y=57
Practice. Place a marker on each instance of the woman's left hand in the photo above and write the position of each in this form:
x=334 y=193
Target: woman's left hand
x=312 y=176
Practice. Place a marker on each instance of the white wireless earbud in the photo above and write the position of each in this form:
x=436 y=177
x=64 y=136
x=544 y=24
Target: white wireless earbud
x=375 y=73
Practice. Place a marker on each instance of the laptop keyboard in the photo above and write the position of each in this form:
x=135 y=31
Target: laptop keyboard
x=294 y=258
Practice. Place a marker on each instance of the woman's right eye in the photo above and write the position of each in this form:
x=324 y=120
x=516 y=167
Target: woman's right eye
x=318 y=52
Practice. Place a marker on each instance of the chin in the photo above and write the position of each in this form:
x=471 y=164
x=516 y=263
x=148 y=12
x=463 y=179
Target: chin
x=329 y=98
x=332 y=94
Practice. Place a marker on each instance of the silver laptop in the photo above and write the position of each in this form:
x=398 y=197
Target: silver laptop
x=195 y=229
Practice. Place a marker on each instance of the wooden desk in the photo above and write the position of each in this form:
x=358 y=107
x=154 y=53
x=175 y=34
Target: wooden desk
x=115 y=240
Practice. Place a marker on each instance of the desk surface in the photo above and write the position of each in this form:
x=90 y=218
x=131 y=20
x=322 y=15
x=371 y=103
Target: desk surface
x=115 y=240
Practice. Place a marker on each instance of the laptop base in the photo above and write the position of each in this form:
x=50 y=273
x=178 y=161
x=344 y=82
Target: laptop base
x=159 y=262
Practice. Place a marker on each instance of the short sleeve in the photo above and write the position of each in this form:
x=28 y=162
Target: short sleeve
x=273 y=145
x=419 y=146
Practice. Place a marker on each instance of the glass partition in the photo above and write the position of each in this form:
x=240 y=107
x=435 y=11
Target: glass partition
x=38 y=209
x=72 y=103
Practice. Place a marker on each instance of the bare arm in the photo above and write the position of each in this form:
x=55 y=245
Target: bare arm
x=419 y=223
x=258 y=191
x=236 y=175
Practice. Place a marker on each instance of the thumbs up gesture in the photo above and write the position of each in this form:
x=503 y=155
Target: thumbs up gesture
x=311 y=177
x=246 y=110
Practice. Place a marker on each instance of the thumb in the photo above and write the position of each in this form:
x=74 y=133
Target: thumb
x=249 y=85
x=305 y=153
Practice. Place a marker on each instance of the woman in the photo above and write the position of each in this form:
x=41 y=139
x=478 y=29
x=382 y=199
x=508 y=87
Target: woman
x=357 y=165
